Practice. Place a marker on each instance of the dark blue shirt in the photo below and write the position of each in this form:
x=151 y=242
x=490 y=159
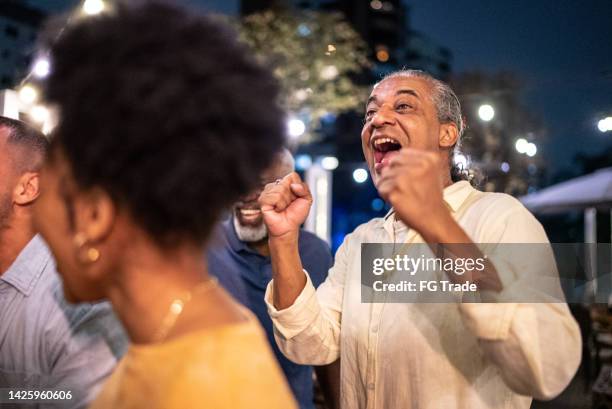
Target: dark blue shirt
x=245 y=274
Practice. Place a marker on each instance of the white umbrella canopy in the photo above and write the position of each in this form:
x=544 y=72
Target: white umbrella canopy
x=593 y=190
x=586 y=193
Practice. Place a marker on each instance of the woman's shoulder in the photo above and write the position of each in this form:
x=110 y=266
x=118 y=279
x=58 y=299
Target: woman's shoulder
x=228 y=366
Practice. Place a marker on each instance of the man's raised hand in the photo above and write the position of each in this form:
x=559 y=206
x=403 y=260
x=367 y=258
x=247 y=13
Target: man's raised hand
x=412 y=184
x=285 y=205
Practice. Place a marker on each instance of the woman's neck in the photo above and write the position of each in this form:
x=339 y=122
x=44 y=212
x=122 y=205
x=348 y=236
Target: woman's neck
x=148 y=284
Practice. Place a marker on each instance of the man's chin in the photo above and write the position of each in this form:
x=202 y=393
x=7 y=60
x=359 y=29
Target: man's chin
x=250 y=233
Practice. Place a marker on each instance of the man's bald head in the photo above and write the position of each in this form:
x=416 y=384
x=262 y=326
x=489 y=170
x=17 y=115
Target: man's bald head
x=283 y=165
x=25 y=146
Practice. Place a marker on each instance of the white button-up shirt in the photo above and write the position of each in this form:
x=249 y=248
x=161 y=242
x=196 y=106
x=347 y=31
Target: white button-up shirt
x=407 y=355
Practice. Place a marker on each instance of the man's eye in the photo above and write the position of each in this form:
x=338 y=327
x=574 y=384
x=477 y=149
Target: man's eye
x=403 y=107
x=370 y=113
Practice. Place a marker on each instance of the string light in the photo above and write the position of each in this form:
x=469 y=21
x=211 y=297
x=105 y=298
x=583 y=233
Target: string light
x=41 y=68
x=39 y=113
x=93 y=7
x=28 y=94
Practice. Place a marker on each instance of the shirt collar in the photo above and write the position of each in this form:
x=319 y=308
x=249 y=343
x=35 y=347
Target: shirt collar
x=27 y=268
x=453 y=195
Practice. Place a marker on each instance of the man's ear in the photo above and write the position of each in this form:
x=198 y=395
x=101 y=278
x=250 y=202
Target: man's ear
x=96 y=215
x=448 y=135
x=27 y=189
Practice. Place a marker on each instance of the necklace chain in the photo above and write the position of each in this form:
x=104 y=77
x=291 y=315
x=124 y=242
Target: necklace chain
x=178 y=305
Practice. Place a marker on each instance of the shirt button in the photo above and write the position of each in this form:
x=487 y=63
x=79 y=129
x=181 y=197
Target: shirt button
x=370 y=386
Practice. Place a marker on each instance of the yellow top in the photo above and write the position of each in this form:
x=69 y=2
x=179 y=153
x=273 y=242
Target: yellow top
x=229 y=366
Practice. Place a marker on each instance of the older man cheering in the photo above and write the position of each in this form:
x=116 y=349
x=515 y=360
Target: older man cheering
x=406 y=355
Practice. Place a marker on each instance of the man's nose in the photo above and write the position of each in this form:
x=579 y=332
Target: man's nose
x=384 y=116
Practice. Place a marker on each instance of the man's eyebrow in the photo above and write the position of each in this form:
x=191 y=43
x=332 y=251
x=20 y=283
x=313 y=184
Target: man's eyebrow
x=407 y=91
x=372 y=99
x=399 y=92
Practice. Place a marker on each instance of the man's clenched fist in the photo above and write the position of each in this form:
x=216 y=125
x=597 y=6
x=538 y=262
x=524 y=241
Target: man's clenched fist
x=285 y=205
x=412 y=184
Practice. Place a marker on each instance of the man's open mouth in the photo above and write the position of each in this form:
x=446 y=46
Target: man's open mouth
x=249 y=215
x=383 y=148
x=250 y=212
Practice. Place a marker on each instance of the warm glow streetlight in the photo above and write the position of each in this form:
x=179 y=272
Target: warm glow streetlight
x=28 y=94
x=93 y=7
x=382 y=54
x=39 y=113
x=486 y=112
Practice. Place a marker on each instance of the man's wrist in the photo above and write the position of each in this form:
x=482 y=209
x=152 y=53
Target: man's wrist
x=286 y=240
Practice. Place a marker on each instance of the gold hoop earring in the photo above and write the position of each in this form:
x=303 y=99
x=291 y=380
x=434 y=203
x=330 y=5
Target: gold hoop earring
x=86 y=256
x=93 y=254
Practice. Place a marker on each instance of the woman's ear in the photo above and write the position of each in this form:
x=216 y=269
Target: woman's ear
x=96 y=213
x=448 y=135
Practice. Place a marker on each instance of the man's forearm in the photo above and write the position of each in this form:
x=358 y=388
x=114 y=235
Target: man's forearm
x=457 y=244
x=288 y=274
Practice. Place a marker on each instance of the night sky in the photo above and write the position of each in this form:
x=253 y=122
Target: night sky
x=562 y=49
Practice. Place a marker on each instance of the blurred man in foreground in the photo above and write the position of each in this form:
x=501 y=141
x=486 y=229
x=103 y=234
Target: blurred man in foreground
x=241 y=262
x=44 y=342
x=413 y=355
